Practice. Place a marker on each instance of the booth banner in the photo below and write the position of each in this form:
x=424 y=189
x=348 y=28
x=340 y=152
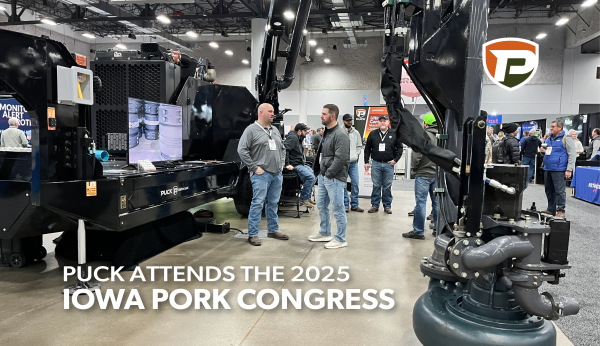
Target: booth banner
x=530 y=126
x=366 y=119
x=494 y=119
x=11 y=108
x=408 y=88
x=587 y=184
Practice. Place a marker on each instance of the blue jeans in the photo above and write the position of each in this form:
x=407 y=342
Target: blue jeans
x=353 y=174
x=266 y=186
x=555 y=184
x=332 y=190
x=529 y=161
x=382 y=175
x=308 y=180
x=424 y=186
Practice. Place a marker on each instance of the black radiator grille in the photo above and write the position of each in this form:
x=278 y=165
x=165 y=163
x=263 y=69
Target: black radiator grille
x=114 y=80
x=113 y=122
x=144 y=81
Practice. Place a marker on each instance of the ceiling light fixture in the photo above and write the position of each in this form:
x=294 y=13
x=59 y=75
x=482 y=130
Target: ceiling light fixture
x=88 y=35
x=588 y=3
x=327 y=61
x=121 y=46
x=192 y=34
x=277 y=23
x=288 y=15
x=48 y=21
x=245 y=62
x=214 y=44
x=305 y=31
x=312 y=42
x=2 y=8
x=228 y=52
x=562 y=21
x=319 y=51
x=541 y=36
x=163 y=19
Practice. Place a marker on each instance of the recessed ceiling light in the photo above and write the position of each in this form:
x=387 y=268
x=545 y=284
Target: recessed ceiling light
x=48 y=21
x=588 y=3
x=305 y=31
x=245 y=62
x=88 y=35
x=121 y=46
x=228 y=52
x=214 y=44
x=312 y=42
x=541 y=35
x=191 y=34
x=277 y=23
x=319 y=51
x=288 y=15
x=327 y=61
x=163 y=19
x=562 y=21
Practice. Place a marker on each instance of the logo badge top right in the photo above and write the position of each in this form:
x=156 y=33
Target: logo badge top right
x=510 y=62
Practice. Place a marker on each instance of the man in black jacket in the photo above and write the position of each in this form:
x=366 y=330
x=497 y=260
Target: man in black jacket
x=331 y=168
x=316 y=139
x=294 y=162
x=529 y=149
x=385 y=150
x=511 y=144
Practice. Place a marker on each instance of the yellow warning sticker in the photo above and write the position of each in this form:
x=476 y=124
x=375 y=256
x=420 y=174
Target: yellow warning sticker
x=123 y=202
x=90 y=189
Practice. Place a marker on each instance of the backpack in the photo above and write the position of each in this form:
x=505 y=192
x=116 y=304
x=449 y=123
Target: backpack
x=498 y=151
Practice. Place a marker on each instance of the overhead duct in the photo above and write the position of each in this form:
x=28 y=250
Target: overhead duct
x=348 y=22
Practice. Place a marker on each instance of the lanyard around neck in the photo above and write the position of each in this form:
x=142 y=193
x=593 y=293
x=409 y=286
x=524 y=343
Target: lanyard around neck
x=262 y=127
x=382 y=134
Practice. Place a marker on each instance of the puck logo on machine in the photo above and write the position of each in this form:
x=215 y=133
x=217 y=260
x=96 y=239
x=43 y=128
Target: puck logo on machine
x=510 y=62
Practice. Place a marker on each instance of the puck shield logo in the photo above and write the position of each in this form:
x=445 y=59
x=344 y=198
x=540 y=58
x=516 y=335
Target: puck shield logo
x=510 y=62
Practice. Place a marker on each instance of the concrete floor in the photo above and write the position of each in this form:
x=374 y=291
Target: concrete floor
x=31 y=303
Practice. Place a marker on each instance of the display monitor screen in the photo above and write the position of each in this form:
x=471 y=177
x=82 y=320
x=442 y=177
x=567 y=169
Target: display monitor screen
x=155 y=131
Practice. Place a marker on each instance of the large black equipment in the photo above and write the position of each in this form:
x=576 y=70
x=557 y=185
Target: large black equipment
x=490 y=257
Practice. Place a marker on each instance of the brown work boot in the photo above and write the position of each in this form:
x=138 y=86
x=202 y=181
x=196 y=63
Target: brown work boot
x=547 y=212
x=560 y=213
x=358 y=209
x=373 y=210
x=254 y=241
x=387 y=210
x=278 y=235
x=307 y=204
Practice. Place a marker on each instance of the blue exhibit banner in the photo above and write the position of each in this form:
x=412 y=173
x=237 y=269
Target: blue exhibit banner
x=494 y=119
x=587 y=183
x=530 y=126
x=11 y=108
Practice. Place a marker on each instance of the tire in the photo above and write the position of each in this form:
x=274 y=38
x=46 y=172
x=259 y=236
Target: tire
x=42 y=253
x=243 y=198
x=17 y=260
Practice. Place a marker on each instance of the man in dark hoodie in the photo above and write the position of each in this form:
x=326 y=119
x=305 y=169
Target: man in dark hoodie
x=512 y=153
x=294 y=162
x=425 y=172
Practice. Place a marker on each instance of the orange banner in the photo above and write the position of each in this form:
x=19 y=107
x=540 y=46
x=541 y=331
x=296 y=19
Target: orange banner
x=373 y=119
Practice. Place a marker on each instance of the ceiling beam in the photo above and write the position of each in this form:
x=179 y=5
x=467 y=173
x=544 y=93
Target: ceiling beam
x=251 y=7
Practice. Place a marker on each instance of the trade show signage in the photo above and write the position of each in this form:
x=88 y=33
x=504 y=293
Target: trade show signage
x=530 y=126
x=587 y=183
x=11 y=108
x=494 y=119
x=510 y=62
x=409 y=88
x=366 y=119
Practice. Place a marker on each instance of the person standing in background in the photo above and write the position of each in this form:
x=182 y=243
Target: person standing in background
x=578 y=145
x=355 y=150
x=529 y=149
x=316 y=139
x=511 y=144
x=594 y=146
x=12 y=137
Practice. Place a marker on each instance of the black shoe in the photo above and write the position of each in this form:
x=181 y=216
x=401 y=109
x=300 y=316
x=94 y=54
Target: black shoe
x=430 y=217
x=413 y=235
x=411 y=213
x=434 y=233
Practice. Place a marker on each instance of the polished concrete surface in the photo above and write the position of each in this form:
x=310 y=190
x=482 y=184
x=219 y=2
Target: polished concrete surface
x=32 y=313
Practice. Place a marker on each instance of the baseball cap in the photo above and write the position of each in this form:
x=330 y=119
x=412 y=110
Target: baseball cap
x=383 y=116
x=347 y=117
x=300 y=126
x=428 y=118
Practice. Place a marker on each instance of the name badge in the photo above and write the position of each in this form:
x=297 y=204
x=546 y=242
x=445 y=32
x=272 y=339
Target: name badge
x=381 y=146
x=548 y=151
x=272 y=144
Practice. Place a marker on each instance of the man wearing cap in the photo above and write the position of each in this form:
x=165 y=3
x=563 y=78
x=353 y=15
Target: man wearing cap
x=294 y=162
x=512 y=154
x=355 y=149
x=385 y=151
x=425 y=172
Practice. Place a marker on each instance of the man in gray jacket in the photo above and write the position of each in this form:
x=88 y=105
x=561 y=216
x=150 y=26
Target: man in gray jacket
x=331 y=168
x=355 y=149
x=425 y=172
x=12 y=137
x=261 y=150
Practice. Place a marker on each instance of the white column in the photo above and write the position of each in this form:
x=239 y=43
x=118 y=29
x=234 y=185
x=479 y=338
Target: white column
x=258 y=37
x=303 y=103
x=567 y=85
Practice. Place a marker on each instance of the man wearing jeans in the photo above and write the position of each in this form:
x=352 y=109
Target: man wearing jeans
x=261 y=150
x=529 y=149
x=425 y=172
x=295 y=162
x=386 y=151
x=559 y=163
x=331 y=168
x=355 y=149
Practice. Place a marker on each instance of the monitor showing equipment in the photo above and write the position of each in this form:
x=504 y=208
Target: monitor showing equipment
x=155 y=131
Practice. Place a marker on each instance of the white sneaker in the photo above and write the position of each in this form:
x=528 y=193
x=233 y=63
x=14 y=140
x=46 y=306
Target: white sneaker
x=319 y=237
x=334 y=244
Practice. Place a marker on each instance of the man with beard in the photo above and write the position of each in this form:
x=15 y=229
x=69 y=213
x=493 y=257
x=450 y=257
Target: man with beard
x=295 y=162
x=355 y=149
